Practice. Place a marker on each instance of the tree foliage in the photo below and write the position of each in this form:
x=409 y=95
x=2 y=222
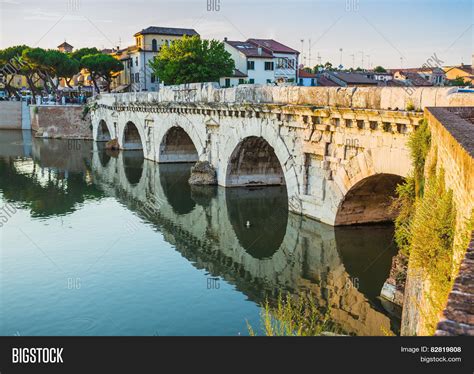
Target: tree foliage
x=380 y=69
x=11 y=64
x=191 y=59
x=102 y=66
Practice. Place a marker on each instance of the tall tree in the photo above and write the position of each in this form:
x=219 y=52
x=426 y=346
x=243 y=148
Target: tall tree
x=78 y=54
x=192 y=59
x=380 y=69
x=11 y=63
x=101 y=66
x=49 y=65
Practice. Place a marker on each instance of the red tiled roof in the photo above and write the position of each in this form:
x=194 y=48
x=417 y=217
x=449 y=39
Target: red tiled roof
x=272 y=45
x=248 y=49
x=65 y=45
x=305 y=74
x=325 y=82
x=415 y=78
x=167 y=31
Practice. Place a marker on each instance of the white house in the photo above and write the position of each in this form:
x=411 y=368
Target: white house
x=262 y=61
x=137 y=75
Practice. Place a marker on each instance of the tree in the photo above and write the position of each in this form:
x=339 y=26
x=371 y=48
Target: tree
x=101 y=66
x=459 y=81
x=51 y=66
x=80 y=53
x=191 y=60
x=11 y=62
x=379 y=69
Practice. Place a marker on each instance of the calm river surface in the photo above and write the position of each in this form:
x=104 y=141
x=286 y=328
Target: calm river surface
x=103 y=244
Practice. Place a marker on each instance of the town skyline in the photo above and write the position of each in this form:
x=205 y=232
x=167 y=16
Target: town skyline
x=374 y=38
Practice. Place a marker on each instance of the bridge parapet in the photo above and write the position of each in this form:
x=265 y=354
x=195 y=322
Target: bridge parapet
x=384 y=98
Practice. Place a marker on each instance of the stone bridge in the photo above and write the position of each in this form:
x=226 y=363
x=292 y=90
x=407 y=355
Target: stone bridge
x=339 y=151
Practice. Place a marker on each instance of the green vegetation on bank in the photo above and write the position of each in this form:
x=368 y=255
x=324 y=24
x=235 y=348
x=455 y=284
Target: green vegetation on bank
x=293 y=316
x=425 y=228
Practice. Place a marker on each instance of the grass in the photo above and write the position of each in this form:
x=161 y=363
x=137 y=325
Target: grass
x=293 y=316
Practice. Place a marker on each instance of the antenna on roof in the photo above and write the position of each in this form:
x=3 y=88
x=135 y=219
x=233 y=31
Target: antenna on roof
x=302 y=50
x=309 y=53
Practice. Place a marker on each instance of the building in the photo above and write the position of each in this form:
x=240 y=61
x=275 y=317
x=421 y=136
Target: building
x=379 y=76
x=306 y=79
x=435 y=76
x=409 y=78
x=137 y=74
x=65 y=47
x=348 y=79
x=264 y=61
x=237 y=78
x=466 y=72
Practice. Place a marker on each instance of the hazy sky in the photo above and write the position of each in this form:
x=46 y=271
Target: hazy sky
x=385 y=30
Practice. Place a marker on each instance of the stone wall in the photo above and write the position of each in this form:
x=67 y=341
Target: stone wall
x=57 y=121
x=458 y=317
x=452 y=145
x=10 y=115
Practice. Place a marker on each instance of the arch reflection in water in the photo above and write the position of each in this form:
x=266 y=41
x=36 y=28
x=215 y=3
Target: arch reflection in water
x=284 y=251
x=259 y=218
x=133 y=165
x=174 y=182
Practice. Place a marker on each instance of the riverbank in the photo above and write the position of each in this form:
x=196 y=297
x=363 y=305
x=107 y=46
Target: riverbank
x=60 y=121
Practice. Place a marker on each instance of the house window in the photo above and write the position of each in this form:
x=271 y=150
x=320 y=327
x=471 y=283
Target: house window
x=269 y=81
x=301 y=81
x=251 y=81
x=154 y=45
x=227 y=82
x=132 y=79
x=136 y=61
x=241 y=81
x=250 y=65
x=152 y=78
x=137 y=77
x=268 y=65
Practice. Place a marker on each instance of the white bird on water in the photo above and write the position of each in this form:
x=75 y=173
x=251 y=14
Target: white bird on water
x=247 y=224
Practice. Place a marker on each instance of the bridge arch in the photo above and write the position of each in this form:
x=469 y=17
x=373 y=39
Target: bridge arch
x=366 y=185
x=188 y=132
x=369 y=200
x=270 y=141
x=132 y=138
x=254 y=162
x=103 y=132
x=177 y=146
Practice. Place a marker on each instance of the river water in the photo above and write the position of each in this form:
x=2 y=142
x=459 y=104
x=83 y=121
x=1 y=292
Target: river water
x=111 y=244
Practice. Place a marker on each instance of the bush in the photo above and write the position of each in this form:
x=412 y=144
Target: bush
x=294 y=316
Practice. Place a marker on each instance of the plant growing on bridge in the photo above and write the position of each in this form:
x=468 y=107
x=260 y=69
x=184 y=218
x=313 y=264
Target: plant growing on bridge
x=425 y=228
x=419 y=144
x=191 y=60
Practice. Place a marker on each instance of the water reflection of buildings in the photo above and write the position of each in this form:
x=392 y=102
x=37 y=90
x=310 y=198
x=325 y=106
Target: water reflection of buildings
x=45 y=175
x=208 y=226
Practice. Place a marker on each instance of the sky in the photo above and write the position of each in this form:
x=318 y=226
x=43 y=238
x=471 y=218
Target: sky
x=390 y=33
